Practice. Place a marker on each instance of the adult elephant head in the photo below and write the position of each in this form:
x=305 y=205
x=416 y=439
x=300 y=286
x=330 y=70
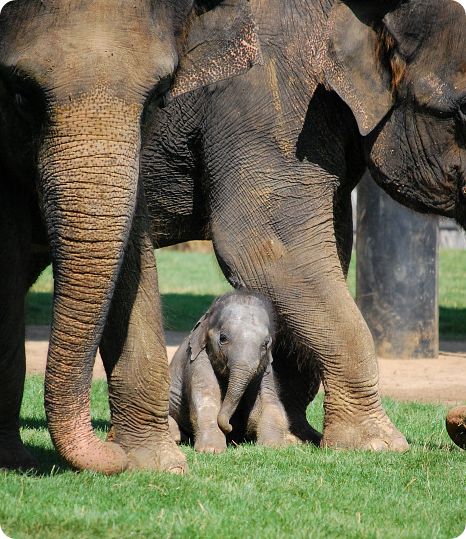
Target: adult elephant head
x=401 y=68
x=75 y=78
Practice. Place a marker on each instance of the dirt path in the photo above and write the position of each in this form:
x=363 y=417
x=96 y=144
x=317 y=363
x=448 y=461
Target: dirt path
x=426 y=380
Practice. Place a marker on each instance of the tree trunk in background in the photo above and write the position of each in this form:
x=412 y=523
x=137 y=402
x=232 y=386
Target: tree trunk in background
x=396 y=274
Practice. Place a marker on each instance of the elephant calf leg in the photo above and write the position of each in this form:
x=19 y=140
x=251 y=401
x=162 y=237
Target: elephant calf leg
x=205 y=404
x=135 y=359
x=268 y=417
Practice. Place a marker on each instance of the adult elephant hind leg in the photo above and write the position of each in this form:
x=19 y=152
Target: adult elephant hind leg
x=15 y=275
x=268 y=419
x=135 y=359
x=354 y=417
x=298 y=377
x=328 y=321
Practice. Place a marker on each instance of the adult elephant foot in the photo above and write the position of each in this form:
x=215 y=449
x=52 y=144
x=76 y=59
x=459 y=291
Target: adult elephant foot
x=14 y=456
x=161 y=456
x=374 y=433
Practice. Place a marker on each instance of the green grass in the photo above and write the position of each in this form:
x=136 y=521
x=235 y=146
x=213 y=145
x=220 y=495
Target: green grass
x=190 y=281
x=249 y=492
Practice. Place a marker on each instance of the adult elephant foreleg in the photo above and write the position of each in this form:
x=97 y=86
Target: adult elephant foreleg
x=301 y=272
x=296 y=365
x=135 y=359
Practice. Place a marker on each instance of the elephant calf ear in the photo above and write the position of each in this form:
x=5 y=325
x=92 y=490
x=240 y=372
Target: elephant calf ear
x=221 y=43
x=198 y=337
x=353 y=70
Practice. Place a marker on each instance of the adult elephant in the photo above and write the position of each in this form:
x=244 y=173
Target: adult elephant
x=75 y=78
x=264 y=166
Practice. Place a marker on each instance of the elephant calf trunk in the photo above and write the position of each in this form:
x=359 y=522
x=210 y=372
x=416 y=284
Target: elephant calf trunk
x=237 y=385
x=223 y=421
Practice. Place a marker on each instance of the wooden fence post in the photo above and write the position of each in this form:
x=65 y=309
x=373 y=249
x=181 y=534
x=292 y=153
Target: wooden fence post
x=396 y=274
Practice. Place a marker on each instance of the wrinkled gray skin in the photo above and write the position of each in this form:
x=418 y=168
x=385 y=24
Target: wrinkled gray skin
x=264 y=165
x=75 y=78
x=222 y=382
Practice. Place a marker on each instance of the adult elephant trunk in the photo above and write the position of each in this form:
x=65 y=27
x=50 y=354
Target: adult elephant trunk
x=239 y=380
x=89 y=165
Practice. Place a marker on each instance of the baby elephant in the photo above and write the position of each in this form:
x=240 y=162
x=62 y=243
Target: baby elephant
x=222 y=382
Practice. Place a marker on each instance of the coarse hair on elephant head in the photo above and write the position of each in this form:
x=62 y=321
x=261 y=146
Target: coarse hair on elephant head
x=75 y=78
x=237 y=333
x=400 y=66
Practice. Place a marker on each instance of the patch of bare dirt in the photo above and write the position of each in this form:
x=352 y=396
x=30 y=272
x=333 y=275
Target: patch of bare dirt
x=425 y=380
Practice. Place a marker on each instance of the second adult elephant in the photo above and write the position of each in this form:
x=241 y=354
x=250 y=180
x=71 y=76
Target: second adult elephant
x=75 y=78
x=264 y=166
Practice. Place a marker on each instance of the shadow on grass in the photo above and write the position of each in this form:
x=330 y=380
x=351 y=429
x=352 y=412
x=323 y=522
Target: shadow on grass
x=182 y=311
x=34 y=423
x=50 y=462
x=452 y=323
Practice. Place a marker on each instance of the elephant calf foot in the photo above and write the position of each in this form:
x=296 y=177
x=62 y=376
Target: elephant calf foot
x=14 y=456
x=272 y=431
x=175 y=431
x=212 y=441
x=276 y=439
x=374 y=433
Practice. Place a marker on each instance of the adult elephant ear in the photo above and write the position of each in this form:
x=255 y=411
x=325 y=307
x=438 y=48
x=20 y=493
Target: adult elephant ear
x=369 y=43
x=221 y=42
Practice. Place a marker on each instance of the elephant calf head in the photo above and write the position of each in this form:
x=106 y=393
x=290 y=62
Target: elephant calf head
x=74 y=80
x=401 y=68
x=237 y=334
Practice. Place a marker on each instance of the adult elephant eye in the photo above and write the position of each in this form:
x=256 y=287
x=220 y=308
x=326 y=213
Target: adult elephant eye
x=463 y=109
x=23 y=105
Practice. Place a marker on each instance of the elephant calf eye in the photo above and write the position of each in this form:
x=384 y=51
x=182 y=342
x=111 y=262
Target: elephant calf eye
x=223 y=339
